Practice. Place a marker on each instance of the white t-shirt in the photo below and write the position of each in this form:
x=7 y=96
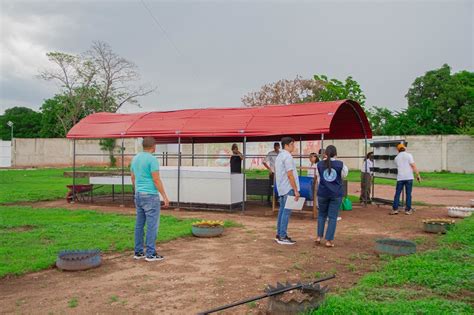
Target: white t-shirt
x=403 y=161
x=270 y=159
x=283 y=164
x=312 y=171
x=370 y=164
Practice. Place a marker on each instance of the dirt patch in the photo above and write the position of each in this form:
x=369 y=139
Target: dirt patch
x=200 y=274
x=21 y=228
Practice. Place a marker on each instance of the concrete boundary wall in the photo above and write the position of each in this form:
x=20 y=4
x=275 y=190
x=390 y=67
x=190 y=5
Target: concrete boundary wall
x=453 y=153
x=5 y=154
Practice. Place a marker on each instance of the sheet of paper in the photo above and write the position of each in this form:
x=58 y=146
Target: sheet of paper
x=294 y=205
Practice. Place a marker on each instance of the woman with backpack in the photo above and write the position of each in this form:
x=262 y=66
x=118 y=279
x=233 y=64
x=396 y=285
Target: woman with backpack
x=330 y=194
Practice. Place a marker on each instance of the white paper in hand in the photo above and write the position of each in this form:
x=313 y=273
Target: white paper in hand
x=294 y=205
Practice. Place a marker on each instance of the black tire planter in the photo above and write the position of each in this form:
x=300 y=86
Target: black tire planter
x=395 y=247
x=201 y=231
x=439 y=227
x=75 y=260
x=316 y=296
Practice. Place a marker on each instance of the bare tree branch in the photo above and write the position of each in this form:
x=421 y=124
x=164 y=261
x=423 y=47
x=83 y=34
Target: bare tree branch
x=282 y=92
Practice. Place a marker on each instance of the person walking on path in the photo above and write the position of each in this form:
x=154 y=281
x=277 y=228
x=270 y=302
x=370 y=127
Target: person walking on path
x=288 y=186
x=405 y=168
x=330 y=194
x=269 y=164
x=366 y=175
x=147 y=183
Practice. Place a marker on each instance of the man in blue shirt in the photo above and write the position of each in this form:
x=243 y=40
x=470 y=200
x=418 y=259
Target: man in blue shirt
x=147 y=183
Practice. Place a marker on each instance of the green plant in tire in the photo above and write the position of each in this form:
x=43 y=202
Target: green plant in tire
x=208 y=224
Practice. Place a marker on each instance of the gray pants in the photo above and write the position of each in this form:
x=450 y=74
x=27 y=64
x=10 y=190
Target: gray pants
x=365 y=186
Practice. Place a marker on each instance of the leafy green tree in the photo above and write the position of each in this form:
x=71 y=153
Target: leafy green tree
x=51 y=126
x=61 y=112
x=441 y=102
x=333 y=89
x=26 y=123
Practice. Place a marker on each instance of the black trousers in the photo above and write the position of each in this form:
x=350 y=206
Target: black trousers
x=271 y=178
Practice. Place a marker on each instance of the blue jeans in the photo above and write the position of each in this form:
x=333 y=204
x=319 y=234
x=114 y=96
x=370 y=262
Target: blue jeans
x=148 y=210
x=328 y=208
x=408 y=184
x=283 y=215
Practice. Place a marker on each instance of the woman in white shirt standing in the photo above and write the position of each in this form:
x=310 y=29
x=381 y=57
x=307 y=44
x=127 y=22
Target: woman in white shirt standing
x=312 y=172
x=366 y=178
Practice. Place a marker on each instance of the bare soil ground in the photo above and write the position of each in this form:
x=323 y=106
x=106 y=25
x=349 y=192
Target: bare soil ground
x=199 y=274
x=426 y=195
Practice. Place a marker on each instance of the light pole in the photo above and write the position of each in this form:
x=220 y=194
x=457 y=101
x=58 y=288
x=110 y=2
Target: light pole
x=10 y=124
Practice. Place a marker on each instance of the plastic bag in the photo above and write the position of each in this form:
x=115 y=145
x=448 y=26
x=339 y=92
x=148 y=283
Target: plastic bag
x=346 y=204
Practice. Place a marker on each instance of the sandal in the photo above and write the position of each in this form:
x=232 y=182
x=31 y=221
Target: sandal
x=329 y=244
x=318 y=240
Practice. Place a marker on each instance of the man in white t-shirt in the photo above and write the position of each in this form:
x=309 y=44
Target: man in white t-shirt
x=405 y=167
x=269 y=164
x=288 y=186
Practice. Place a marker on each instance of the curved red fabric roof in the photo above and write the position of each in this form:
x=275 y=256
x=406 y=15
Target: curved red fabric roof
x=343 y=119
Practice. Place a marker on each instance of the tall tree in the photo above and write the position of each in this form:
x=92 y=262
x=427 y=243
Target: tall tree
x=333 y=89
x=442 y=103
x=75 y=76
x=282 y=92
x=115 y=79
x=97 y=80
x=26 y=123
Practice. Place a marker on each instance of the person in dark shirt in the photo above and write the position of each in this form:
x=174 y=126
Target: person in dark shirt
x=330 y=193
x=236 y=160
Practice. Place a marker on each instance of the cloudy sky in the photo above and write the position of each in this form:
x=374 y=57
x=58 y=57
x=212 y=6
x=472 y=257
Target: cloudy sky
x=211 y=53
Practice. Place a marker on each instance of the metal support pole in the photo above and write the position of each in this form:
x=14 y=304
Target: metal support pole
x=366 y=171
x=243 y=173
x=179 y=169
x=322 y=147
x=73 y=171
x=301 y=156
x=192 y=153
x=123 y=174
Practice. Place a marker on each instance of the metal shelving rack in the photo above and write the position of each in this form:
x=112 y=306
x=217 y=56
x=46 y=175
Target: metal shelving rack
x=385 y=152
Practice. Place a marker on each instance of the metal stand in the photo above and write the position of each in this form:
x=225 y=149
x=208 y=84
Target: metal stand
x=244 y=149
x=123 y=173
x=301 y=156
x=179 y=169
x=73 y=171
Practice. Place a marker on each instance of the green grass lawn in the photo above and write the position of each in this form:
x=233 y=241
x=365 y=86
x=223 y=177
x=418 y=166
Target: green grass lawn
x=40 y=184
x=439 y=281
x=30 y=238
x=50 y=184
x=442 y=180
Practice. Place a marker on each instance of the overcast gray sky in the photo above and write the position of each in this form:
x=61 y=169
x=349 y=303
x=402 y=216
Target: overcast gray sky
x=228 y=48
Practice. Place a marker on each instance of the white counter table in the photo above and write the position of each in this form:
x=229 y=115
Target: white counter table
x=198 y=185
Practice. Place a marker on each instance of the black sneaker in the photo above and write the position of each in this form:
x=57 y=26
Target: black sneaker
x=277 y=238
x=289 y=238
x=286 y=241
x=154 y=257
x=139 y=256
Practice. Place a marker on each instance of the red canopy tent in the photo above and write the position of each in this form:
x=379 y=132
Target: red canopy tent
x=343 y=119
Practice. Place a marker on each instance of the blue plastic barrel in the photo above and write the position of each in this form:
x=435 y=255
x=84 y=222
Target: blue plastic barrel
x=306 y=187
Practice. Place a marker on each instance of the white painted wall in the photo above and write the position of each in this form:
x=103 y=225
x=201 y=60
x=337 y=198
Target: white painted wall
x=432 y=153
x=5 y=154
